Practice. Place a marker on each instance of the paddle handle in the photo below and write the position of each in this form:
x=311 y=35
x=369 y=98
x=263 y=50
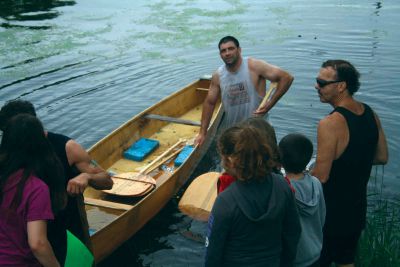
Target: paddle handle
x=165 y=160
x=147 y=169
x=266 y=98
x=134 y=178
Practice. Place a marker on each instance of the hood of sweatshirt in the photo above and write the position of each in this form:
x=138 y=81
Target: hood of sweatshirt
x=308 y=192
x=260 y=200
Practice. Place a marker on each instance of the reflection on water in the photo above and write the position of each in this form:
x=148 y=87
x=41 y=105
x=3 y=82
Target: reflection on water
x=88 y=66
x=22 y=10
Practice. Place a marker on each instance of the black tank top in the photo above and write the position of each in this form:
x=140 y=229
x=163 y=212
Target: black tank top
x=69 y=218
x=345 y=192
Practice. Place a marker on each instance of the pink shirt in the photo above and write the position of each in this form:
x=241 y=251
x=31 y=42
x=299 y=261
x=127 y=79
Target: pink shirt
x=35 y=205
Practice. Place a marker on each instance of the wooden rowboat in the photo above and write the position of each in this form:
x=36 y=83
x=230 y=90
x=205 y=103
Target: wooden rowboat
x=114 y=219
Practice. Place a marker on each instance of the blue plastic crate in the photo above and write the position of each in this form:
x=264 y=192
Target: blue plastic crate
x=183 y=155
x=140 y=149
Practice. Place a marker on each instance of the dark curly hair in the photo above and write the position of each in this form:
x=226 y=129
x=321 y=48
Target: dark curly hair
x=346 y=72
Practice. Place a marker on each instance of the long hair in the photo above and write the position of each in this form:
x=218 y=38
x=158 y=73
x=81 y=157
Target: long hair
x=249 y=150
x=25 y=146
x=269 y=133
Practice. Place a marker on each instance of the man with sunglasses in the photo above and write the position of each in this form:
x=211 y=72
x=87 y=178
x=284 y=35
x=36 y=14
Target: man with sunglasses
x=241 y=84
x=350 y=141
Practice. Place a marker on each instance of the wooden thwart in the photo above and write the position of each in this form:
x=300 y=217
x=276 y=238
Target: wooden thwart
x=172 y=119
x=199 y=197
x=106 y=204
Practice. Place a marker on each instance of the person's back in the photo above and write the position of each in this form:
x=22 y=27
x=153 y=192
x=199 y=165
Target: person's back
x=69 y=218
x=350 y=174
x=31 y=190
x=79 y=173
x=253 y=215
x=295 y=152
x=254 y=222
x=34 y=205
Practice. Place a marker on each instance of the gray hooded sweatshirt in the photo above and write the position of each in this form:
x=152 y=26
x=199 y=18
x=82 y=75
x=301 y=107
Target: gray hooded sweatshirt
x=255 y=224
x=311 y=206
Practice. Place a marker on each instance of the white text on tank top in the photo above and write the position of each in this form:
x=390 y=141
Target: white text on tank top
x=239 y=96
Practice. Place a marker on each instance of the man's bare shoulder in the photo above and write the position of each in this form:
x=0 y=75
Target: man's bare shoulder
x=215 y=79
x=255 y=63
x=332 y=122
x=215 y=75
x=75 y=152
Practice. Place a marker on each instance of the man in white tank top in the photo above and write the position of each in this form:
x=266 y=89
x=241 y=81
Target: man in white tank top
x=241 y=83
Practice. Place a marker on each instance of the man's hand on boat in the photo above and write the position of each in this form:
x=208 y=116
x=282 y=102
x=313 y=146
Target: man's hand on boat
x=199 y=140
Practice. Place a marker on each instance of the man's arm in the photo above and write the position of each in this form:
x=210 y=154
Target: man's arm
x=326 y=148
x=90 y=175
x=273 y=74
x=208 y=108
x=381 y=154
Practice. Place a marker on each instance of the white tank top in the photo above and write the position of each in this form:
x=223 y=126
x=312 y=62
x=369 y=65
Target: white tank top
x=239 y=96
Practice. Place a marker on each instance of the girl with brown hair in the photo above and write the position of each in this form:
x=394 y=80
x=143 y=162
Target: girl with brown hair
x=254 y=222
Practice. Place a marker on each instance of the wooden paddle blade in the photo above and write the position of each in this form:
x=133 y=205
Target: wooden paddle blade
x=131 y=184
x=199 y=197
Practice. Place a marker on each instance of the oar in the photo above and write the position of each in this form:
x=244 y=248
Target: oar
x=166 y=152
x=199 y=197
x=268 y=94
x=139 y=176
x=138 y=183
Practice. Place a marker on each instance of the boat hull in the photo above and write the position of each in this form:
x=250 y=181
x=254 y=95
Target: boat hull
x=114 y=219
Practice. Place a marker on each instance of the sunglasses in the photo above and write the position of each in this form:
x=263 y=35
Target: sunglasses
x=322 y=83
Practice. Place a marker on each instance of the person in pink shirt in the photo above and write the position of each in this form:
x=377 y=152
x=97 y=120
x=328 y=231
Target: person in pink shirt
x=31 y=192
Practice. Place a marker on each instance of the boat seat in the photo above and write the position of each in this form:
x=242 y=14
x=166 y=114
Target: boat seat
x=106 y=204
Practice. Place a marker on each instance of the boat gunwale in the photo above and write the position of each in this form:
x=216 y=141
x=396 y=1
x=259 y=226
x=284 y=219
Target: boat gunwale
x=174 y=177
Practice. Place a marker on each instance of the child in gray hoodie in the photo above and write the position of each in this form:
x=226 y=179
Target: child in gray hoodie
x=295 y=152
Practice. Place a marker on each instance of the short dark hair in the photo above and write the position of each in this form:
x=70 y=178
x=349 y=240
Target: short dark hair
x=228 y=39
x=13 y=108
x=295 y=151
x=346 y=72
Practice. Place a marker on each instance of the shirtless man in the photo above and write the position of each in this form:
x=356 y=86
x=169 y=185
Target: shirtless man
x=350 y=141
x=79 y=174
x=241 y=83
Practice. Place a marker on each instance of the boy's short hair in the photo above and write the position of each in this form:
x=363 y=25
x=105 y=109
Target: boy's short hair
x=295 y=151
